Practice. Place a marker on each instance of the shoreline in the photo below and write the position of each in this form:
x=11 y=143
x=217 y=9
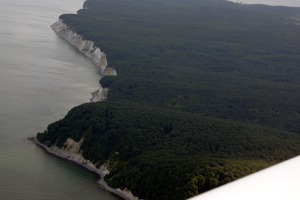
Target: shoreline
x=101 y=172
x=89 y=50
x=92 y=52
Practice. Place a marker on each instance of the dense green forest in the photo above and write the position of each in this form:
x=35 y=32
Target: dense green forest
x=207 y=92
x=164 y=154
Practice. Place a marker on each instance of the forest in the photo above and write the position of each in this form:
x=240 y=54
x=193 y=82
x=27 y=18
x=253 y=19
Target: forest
x=207 y=92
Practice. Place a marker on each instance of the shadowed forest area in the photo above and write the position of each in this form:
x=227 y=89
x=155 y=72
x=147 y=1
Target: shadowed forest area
x=207 y=92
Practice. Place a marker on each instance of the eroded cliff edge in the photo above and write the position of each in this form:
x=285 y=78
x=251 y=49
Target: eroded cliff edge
x=91 y=51
x=72 y=152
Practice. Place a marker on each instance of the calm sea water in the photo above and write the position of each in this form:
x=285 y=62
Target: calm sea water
x=290 y=3
x=41 y=78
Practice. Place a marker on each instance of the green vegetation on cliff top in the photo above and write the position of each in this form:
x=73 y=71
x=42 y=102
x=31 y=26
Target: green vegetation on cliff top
x=164 y=154
x=207 y=92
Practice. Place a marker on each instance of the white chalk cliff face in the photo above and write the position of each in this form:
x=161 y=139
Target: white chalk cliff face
x=91 y=51
x=71 y=151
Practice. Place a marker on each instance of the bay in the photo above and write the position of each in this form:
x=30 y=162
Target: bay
x=41 y=78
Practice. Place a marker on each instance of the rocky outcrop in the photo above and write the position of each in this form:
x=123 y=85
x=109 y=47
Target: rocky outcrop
x=72 y=152
x=91 y=51
x=99 y=95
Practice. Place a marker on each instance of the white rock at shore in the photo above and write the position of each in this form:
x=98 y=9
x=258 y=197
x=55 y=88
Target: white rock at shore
x=71 y=151
x=86 y=47
x=91 y=51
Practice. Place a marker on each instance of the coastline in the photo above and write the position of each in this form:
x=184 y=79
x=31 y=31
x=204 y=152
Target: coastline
x=89 y=50
x=78 y=159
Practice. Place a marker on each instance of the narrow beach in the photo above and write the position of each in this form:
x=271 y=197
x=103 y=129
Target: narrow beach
x=101 y=172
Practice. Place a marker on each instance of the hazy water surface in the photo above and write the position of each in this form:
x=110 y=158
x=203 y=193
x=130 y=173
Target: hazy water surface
x=41 y=78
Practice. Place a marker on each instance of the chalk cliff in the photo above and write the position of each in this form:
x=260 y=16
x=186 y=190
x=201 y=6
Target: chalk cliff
x=72 y=152
x=91 y=51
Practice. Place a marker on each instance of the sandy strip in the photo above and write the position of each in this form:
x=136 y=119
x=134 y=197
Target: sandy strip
x=102 y=171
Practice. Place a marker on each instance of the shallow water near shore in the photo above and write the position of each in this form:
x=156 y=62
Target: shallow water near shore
x=41 y=79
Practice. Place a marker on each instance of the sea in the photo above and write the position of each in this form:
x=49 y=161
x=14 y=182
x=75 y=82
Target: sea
x=41 y=79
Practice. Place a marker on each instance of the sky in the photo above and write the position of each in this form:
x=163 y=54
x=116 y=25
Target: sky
x=292 y=3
